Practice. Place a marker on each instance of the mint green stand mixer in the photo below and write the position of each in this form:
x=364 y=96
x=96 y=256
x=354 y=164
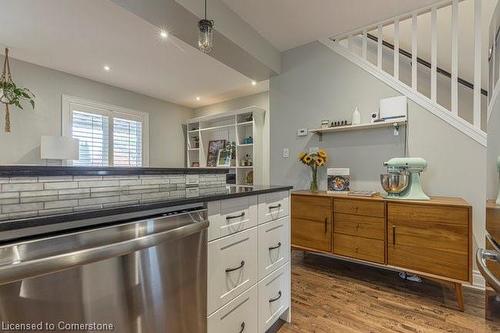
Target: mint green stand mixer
x=402 y=180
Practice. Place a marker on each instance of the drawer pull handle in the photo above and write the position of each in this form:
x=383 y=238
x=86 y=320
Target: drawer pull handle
x=393 y=235
x=242 y=327
x=229 y=270
x=272 y=300
x=275 y=247
x=275 y=206
x=235 y=216
x=326 y=225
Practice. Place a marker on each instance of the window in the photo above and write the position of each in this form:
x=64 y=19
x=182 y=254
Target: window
x=108 y=135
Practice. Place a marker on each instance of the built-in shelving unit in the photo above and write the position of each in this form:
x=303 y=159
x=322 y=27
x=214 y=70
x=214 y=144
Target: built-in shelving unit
x=395 y=124
x=234 y=127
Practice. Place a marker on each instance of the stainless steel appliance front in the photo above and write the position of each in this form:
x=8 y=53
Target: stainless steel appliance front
x=147 y=276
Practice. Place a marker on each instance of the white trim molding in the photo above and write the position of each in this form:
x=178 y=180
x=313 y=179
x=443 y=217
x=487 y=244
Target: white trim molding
x=108 y=109
x=477 y=280
x=460 y=124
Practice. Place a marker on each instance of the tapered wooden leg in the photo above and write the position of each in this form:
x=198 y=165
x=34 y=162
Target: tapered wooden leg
x=460 y=296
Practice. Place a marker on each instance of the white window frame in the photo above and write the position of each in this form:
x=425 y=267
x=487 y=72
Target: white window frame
x=111 y=111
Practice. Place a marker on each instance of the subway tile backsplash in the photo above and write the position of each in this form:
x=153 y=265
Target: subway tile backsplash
x=23 y=197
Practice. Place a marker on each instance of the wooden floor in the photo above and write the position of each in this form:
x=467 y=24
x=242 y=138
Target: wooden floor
x=330 y=295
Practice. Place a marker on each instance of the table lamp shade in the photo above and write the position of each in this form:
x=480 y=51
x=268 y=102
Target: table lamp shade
x=59 y=148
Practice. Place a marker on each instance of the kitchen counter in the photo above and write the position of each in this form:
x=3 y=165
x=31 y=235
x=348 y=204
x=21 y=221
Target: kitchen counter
x=151 y=203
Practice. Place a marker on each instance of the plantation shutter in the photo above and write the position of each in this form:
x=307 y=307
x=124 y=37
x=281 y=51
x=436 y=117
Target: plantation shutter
x=127 y=142
x=92 y=131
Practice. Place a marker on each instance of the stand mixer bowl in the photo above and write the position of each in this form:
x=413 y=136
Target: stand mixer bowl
x=394 y=183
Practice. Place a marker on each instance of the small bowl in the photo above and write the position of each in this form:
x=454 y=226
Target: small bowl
x=394 y=182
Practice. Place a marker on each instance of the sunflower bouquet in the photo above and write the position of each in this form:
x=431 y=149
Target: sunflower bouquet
x=314 y=160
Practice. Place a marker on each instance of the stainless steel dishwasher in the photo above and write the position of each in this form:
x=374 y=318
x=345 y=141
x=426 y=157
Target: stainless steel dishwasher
x=143 y=276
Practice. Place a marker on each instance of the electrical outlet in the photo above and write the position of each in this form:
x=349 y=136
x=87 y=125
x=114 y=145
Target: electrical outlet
x=286 y=152
x=302 y=132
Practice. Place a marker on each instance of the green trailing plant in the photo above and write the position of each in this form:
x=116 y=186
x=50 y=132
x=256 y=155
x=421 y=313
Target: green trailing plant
x=11 y=94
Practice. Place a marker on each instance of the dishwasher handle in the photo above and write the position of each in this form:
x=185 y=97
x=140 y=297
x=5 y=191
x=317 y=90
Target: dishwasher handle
x=481 y=256
x=32 y=268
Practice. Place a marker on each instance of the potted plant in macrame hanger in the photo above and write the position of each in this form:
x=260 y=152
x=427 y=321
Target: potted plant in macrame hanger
x=11 y=94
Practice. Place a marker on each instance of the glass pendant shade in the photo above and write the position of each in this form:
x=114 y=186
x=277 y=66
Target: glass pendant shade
x=206 y=35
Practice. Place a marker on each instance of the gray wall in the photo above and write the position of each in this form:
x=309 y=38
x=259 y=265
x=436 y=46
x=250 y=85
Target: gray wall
x=261 y=100
x=317 y=84
x=493 y=150
x=22 y=145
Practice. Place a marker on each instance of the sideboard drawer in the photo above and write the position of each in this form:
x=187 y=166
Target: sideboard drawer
x=239 y=315
x=273 y=245
x=273 y=206
x=230 y=216
x=358 y=225
x=359 y=248
x=359 y=207
x=232 y=267
x=274 y=297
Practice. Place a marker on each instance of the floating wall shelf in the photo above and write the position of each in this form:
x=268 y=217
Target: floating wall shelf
x=383 y=124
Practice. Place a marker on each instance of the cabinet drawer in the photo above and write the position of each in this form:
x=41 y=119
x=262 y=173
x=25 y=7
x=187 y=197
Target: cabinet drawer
x=273 y=245
x=239 y=315
x=359 y=248
x=359 y=207
x=230 y=216
x=232 y=267
x=358 y=225
x=274 y=297
x=273 y=206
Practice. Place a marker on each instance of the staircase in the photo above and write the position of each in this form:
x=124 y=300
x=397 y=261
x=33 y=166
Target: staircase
x=420 y=55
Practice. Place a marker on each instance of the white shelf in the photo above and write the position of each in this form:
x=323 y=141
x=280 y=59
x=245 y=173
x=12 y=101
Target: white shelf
x=245 y=145
x=381 y=124
x=193 y=149
x=245 y=167
x=194 y=131
x=246 y=123
x=216 y=127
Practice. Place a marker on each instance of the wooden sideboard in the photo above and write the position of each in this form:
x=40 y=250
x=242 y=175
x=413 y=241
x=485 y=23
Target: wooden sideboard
x=428 y=238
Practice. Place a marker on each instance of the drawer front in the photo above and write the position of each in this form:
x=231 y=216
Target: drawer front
x=273 y=245
x=230 y=216
x=359 y=207
x=359 y=248
x=358 y=225
x=274 y=297
x=239 y=315
x=273 y=206
x=232 y=267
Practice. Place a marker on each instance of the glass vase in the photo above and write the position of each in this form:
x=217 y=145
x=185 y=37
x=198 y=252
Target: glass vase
x=314 y=182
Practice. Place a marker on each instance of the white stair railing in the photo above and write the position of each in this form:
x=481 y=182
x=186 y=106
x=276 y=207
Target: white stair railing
x=345 y=42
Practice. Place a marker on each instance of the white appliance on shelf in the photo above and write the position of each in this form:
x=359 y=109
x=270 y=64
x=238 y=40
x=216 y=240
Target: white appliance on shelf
x=393 y=108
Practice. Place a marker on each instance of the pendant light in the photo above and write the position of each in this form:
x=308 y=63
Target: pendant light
x=206 y=34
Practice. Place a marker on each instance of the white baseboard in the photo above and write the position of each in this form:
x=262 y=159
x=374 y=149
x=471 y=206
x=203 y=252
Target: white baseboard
x=477 y=281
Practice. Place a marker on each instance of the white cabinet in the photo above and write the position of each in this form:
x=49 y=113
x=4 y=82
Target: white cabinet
x=232 y=267
x=239 y=315
x=231 y=216
x=274 y=245
x=273 y=206
x=248 y=262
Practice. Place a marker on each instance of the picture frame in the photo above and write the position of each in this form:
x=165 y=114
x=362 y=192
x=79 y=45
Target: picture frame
x=213 y=152
x=223 y=158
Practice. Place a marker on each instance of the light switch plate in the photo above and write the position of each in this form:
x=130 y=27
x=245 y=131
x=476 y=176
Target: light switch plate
x=286 y=152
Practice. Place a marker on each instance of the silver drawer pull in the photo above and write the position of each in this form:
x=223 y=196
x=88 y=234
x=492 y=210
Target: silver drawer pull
x=242 y=327
x=235 y=216
x=272 y=300
x=229 y=270
x=275 y=247
x=274 y=207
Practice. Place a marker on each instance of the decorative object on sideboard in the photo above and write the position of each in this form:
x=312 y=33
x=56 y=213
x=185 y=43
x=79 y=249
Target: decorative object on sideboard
x=60 y=148
x=314 y=160
x=213 y=152
x=206 y=33
x=402 y=180
x=10 y=93
x=498 y=169
x=338 y=180
x=356 y=117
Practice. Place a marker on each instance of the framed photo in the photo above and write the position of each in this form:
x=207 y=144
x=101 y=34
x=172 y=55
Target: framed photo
x=213 y=152
x=339 y=180
x=223 y=158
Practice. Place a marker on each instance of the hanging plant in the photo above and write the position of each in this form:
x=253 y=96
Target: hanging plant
x=10 y=94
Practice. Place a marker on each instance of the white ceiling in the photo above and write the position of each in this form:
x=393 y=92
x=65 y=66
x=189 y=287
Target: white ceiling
x=81 y=36
x=290 y=23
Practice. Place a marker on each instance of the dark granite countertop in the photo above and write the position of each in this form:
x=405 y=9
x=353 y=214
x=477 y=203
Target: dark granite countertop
x=39 y=170
x=30 y=227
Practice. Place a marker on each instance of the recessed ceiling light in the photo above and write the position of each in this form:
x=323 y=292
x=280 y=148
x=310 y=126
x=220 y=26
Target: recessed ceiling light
x=198 y=98
x=163 y=34
x=107 y=68
x=254 y=83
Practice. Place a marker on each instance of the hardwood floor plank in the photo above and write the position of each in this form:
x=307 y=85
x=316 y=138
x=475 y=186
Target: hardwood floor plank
x=330 y=295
